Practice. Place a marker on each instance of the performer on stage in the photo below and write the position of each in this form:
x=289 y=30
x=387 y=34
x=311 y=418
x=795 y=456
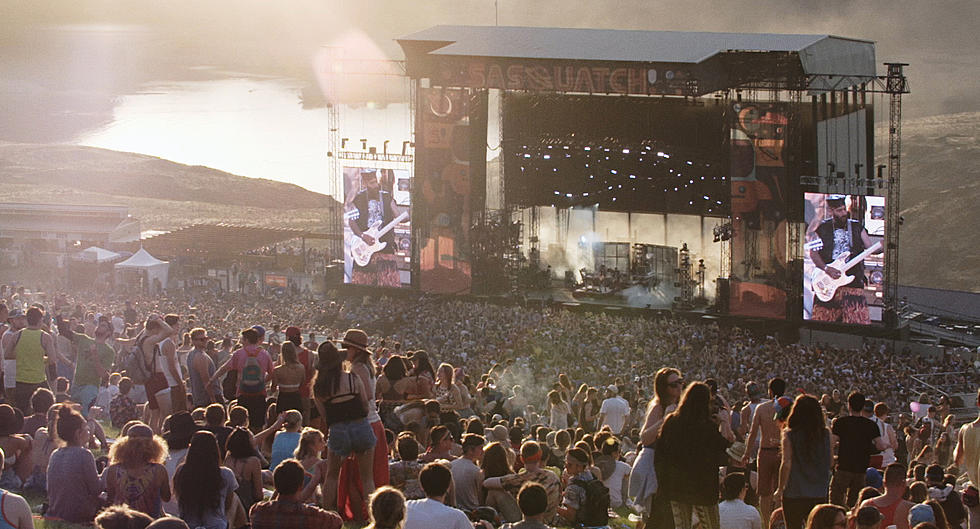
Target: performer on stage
x=374 y=207
x=839 y=235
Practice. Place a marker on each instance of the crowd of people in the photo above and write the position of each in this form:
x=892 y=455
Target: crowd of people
x=222 y=410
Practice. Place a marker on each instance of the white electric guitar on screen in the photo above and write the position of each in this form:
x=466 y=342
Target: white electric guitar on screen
x=361 y=252
x=824 y=286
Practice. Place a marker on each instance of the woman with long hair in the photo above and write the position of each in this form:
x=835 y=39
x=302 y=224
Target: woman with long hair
x=392 y=390
x=448 y=395
x=827 y=516
x=73 y=483
x=204 y=489
x=244 y=462
x=667 y=387
x=288 y=377
x=136 y=476
x=558 y=410
x=804 y=474
x=424 y=374
x=689 y=470
x=495 y=465
x=387 y=509
x=362 y=365
x=311 y=444
x=339 y=397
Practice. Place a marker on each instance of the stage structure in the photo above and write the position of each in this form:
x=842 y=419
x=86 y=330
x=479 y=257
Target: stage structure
x=655 y=169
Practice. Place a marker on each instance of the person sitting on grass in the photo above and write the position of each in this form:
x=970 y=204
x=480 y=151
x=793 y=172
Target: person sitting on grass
x=73 y=482
x=14 y=509
x=533 y=499
x=121 y=407
x=122 y=517
x=136 y=476
x=287 y=510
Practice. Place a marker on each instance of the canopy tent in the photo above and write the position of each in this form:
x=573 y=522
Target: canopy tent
x=155 y=270
x=94 y=254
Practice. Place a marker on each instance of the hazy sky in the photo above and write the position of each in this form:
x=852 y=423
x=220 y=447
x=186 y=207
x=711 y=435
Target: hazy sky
x=938 y=38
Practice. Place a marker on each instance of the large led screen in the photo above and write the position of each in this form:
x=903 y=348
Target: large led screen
x=843 y=263
x=377 y=227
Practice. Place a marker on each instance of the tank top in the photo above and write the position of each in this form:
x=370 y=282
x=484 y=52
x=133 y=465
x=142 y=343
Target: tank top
x=30 y=357
x=371 y=384
x=971 y=450
x=136 y=490
x=348 y=410
x=888 y=513
x=5 y=522
x=809 y=475
x=162 y=365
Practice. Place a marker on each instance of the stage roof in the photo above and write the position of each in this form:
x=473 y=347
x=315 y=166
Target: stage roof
x=813 y=54
x=221 y=240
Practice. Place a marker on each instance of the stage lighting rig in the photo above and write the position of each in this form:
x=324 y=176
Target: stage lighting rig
x=723 y=232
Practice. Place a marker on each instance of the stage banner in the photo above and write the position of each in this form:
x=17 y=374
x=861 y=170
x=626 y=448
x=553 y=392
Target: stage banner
x=443 y=192
x=760 y=195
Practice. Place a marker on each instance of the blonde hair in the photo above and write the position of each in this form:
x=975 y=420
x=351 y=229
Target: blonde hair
x=132 y=451
x=307 y=438
x=387 y=508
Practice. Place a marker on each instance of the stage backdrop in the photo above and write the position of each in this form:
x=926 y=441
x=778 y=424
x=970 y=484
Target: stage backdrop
x=448 y=187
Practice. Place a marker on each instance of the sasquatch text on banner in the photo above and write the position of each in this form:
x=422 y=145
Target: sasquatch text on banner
x=443 y=190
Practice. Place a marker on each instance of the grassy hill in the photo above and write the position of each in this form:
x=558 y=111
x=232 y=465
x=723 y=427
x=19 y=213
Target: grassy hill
x=940 y=201
x=163 y=194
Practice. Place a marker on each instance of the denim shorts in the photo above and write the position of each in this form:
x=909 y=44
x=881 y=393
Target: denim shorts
x=349 y=437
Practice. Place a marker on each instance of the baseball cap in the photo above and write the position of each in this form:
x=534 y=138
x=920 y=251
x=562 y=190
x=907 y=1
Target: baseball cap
x=921 y=513
x=612 y=388
x=869 y=515
x=259 y=329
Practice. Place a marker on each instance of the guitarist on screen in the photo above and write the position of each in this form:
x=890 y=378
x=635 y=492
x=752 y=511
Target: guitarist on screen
x=839 y=235
x=373 y=206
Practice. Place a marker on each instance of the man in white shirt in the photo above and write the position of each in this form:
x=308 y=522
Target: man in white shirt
x=733 y=512
x=436 y=478
x=467 y=476
x=614 y=410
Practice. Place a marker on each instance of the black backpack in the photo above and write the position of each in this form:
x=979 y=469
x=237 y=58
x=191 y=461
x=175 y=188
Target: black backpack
x=594 y=511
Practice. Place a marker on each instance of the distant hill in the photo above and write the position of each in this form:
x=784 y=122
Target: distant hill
x=165 y=195
x=939 y=243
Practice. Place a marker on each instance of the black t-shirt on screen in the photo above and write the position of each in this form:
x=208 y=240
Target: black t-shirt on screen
x=857 y=435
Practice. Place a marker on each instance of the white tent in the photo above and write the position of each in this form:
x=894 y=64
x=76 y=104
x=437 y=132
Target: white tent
x=94 y=254
x=156 y=270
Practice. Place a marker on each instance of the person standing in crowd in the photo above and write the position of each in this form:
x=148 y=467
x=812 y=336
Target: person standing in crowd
x=733 y=513
x=305 y=356
x=136 y=476
x=32 y=349
x=289 y=378
x=73 y=482
x=433 y=512
x=92 y=363
x=173 y=398
x=558 y=411
x=966 y=456
x=689 y=469
x=362 y=366
x=467 y=478
x=155 y=330
x=200 y=369
x=857 y=438
x=253 y=366
x=287 y=510
x=340 y=401
x=804 y=471
x=887 y=432
x=614 y=410
x=892 y=504
x=764 y=432
x=667 y=388
x=204 y=489
x=15 y=513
